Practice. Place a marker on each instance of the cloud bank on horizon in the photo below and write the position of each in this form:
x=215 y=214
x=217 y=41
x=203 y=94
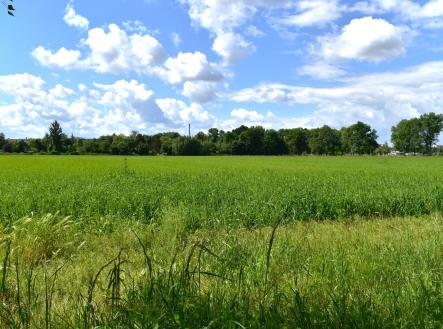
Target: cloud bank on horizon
x=155 y=66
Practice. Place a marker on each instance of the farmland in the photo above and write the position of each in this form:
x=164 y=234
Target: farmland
x=221 y=242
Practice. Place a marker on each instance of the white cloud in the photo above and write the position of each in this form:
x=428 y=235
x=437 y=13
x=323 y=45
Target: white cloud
x=321 y=71
x=112 y=51
x=176 y=39
x=119 y=107
x=135 y=27
x=253 y=31
x=401 y=95
x=179 y=112
x=131 y=99
x=365 y=39
x=428 y=14
x=73 y=19
x=223 y=17
x=115 y=51
x=313 y=13
x=219 y=16
x=433 y=8
x=64 y=58
x=61 y=91
x=246 y=117
x=232 y=47
x=189 y=67
x=200 y=91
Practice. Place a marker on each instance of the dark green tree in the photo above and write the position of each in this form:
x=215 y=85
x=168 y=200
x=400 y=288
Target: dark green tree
x=192 y=146
x=55 y=137
x=296 y=140
x=250 y=141
x=324 y=141
x=213 y=135
x=20 y=146
x=407 y=137
x=431 y=127
x=2 y=140
x=359 y=138
x=37 y=145
x=7 y=147
x=273 y=143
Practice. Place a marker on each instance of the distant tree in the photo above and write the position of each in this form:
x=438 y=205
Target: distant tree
x=208 y=148
x=382 y=149
x=104 y=144
x=154 y=144
x=250 y=141
x=167 y=145
x=55 y=137
x=239 y=130
x=192 y=146
x=324 y=140
x=201 y=136
x=226 y=142
x=359 y=138
x=121 y=145
x=37 y=145
x=2 y=140
x=213 y=135
x=20 y=146
x=141 y=145
x=407 y=137
x=296 y=140
x=431 y=125
x=7 y=147
x=273 y=143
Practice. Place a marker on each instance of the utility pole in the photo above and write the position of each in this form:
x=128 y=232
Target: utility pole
x=189 y=131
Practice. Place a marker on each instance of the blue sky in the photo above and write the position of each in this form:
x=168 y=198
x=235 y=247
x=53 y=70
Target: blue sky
x=101 y=67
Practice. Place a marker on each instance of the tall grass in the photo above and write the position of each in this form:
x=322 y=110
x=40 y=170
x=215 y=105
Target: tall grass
x=221 y=191
x=221 y=242
x=58 y=273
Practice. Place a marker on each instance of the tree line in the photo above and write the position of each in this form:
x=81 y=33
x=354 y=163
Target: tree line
x=418 y=135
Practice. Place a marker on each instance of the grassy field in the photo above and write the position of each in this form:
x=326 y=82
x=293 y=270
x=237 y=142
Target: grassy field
x=221 y=191
x=221 y=242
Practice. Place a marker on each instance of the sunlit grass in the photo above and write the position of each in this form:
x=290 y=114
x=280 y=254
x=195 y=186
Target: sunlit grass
x=221 y=242
x=345 y=274
x=221 y=191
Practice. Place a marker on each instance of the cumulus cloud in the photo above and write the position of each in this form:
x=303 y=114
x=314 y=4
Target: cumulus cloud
x=63 y=57
x=73 y=19
x=366 y=39
x=119 y=107
x=428 y=14
x=189 y=67
x=130 y=99
x=200 y=91
x=110 y=51
x=222 y=18
x=113 y=50
x=313 y=13
x=402 y=95
x=178 y=111
x=232 y=47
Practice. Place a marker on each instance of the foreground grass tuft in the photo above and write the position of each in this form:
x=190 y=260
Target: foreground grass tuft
x=60 y=273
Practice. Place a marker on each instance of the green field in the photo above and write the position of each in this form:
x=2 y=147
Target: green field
x=221 y=242
x=221 y=191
